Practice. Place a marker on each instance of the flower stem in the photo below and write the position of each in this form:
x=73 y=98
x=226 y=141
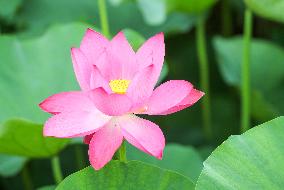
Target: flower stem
x=121 y=153
x=27 y=182
x=204 y=76
x=79 y=157
x=56 y=169
x=226 y=18
x=103 y=17
x=245 y=97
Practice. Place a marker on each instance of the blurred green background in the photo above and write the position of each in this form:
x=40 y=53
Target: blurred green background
x=35 y=41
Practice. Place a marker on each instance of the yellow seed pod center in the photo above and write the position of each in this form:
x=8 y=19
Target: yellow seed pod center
x=119 y=86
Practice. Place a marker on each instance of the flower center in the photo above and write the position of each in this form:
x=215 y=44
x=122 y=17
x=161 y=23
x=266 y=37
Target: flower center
x=119 y=86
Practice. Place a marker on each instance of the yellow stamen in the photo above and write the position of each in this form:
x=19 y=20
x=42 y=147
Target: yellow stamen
x=119 y=86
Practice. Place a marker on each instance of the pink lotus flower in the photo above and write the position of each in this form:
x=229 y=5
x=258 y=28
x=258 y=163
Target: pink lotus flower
x=117 y=84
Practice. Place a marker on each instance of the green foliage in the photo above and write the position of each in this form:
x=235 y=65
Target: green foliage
x=131 y=175
x=135 y=39
x=23 y=138
x=182 y=159
x=190 y=6
x=270 y=9
x=263 y=53
x=11 y=165
x=50 y=187
x=267 y=72
x=164 y=73
x=51 y=12
x=8 y=8
x=253 y=160
x=154 y=12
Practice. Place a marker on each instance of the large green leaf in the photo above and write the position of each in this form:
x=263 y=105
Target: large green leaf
x=270 y=9
x=132 y=175
x=34 y=69
x=267 y=72
x=11 y=165
x=23 y=138
x=253 y=160
x=182 y=159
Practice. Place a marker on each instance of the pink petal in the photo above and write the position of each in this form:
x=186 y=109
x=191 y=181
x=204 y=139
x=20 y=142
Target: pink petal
x=87 y=139
x=172 y=96
x=110 y=104
x=66 y=102
x=141 y=87
x=104 y=144
x=124 y=54
x=74 y=124
x=191 y=99
x=82 y=68
x=143 y=134
x=93 y=45
x=97 y=80
x=118 y=59
x=152 y=52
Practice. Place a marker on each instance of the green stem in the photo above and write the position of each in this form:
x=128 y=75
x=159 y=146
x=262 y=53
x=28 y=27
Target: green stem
x=79 y=157
x=121 y=153
x=204 y=76
x=245 y=99
x=103 y=17
x=226 y=18
x=56 y=169
x=27 y=182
